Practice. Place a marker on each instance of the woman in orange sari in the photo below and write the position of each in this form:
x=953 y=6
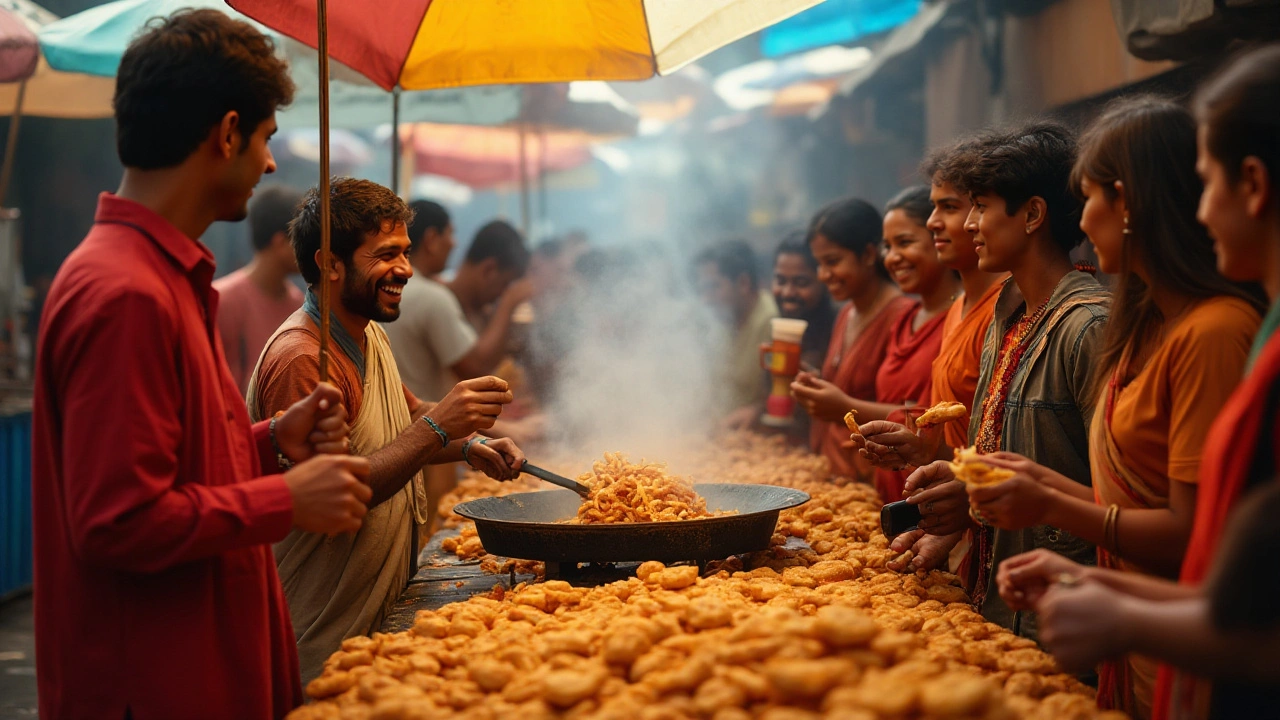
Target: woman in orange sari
x=845 y=238
x=1175 y=348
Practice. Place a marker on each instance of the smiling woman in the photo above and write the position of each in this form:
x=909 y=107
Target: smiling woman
x=906 y=375
x=845 y=238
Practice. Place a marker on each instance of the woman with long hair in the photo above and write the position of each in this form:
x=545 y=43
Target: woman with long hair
x=1173 y=351
x=845 y=238
x=915 y=265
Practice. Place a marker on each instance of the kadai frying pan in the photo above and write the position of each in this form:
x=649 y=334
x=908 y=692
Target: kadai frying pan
x=530 y=526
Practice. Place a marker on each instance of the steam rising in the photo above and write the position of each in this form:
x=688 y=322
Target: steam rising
x=640 y=356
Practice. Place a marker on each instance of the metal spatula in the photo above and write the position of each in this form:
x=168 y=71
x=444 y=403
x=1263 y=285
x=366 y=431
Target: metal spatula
x=555 y=479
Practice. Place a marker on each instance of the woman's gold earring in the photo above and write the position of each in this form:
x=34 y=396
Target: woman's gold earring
x=1126 y=230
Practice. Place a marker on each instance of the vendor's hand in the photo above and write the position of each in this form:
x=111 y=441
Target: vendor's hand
x=944 y=506
x=928 y=551
x=329 y=493
x=1023 y=579
x=498 y=458
x=472 y=405
x=1083 y=624
x=1015 y=504
x=822 y=399
x=744 y=418
x=316 y=424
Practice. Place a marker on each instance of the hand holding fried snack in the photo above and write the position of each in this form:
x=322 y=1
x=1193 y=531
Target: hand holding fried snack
x=970 y=469
x=943 y=412
x=851 y=422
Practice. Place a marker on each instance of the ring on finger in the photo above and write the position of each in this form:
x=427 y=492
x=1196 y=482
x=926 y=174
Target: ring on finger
x=978 y=517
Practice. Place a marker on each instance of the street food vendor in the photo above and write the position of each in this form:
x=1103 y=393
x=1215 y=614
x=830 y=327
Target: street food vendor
x=155 y=591
x=339 y=587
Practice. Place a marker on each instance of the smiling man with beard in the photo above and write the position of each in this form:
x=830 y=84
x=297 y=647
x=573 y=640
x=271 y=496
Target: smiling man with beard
x=340 y=587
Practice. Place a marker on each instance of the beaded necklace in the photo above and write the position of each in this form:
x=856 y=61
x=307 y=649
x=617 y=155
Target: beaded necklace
x=1012 y=348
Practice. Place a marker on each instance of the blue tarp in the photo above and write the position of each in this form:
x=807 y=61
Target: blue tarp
x=834 y=22
x=15 y=501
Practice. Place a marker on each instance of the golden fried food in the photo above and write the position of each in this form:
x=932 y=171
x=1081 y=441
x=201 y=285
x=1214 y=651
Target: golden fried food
x=814 y=626
x=969 y=469
x=622 y=492
x=943 y=412
x=851 y=421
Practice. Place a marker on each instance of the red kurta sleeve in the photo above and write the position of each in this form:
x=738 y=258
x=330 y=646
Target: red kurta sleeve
x=129 y=509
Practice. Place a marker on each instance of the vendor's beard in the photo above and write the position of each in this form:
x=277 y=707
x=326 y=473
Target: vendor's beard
x=361 y=298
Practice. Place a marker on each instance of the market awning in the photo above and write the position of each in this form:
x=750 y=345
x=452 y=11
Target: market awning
x=901 y=44
x=836 y=22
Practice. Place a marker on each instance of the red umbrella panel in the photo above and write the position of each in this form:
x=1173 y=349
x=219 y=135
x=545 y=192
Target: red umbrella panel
x=19 y=49
x=483 y=157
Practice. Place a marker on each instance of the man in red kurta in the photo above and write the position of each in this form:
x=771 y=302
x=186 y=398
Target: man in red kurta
x=156 y=593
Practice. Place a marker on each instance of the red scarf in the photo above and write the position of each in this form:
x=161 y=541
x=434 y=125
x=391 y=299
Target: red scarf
x=1226 y=468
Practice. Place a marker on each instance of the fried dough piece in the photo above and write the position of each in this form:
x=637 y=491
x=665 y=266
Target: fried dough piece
x=969 y=469
x=851 y=422
x=943 y=412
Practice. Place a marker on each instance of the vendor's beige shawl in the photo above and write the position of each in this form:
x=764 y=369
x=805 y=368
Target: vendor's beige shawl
x=340 y=587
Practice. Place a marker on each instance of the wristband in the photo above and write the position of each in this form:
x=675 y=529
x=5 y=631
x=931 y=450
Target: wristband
x=281 y=459
x=444 y=438
x=466 y=450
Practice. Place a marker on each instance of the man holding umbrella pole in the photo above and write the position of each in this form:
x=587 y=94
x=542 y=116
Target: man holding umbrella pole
x=338 y=588
x=156 y=595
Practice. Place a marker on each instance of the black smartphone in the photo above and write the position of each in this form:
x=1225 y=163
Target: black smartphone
x=898 y=517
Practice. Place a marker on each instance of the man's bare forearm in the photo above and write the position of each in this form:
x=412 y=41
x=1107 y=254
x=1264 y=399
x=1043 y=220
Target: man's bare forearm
x=392 y=466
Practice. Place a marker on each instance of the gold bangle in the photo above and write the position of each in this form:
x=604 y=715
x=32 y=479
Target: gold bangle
x=1115 y=532
x=1109 y=528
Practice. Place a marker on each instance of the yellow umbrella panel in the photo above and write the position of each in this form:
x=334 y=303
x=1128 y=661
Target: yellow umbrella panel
x=424 y=44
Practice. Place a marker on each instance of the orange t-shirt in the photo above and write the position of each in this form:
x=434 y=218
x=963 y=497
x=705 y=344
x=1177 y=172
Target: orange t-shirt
x=1160 y=419
x=959 y=361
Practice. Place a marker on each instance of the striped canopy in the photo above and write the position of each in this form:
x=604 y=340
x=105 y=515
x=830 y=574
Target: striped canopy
x=424 y=44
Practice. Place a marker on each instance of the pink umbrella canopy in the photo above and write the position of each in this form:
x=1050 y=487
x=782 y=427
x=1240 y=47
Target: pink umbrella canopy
x=482 y=157
x=19 y=49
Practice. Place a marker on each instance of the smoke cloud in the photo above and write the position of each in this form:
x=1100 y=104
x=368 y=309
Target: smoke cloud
x=639 y=358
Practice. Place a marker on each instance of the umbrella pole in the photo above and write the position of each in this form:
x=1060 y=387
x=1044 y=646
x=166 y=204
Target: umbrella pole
x=322 y=27
x=524 y=185
x=542 y=175
x=11 y=144
x=395 y=141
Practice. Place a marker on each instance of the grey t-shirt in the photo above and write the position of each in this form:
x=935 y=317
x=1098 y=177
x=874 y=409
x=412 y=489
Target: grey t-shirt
x=431 y=335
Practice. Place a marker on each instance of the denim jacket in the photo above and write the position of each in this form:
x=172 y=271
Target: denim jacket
x=1047 y=413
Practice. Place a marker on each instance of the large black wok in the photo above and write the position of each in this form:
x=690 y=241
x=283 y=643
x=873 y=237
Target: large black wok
x=527 y=526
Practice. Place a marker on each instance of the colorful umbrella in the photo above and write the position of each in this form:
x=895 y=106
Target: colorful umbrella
x=422 y=44
x=482 y=157
x=19 y=50
x=92 y=42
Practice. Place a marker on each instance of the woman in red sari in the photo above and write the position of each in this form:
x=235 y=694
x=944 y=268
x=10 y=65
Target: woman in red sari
x=1102 y=614
x=912 y=261
x=845 y=239
x=901 y=373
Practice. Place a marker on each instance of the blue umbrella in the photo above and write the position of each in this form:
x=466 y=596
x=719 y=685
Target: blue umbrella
x=93 y=41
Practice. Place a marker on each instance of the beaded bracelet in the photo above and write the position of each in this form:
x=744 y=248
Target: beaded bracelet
x=444 y=438
x=281 y=459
